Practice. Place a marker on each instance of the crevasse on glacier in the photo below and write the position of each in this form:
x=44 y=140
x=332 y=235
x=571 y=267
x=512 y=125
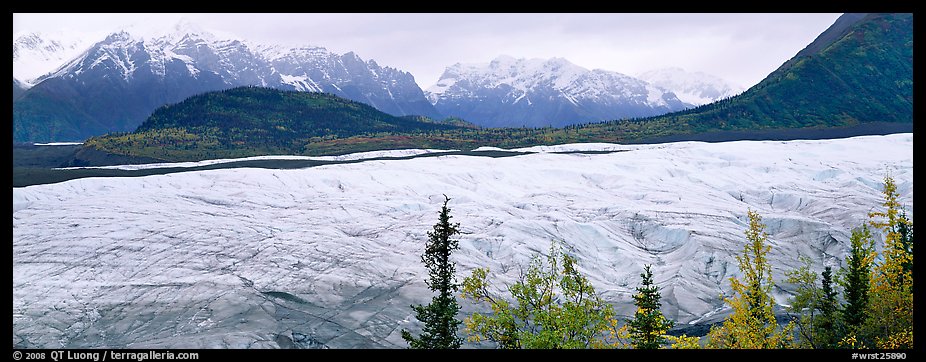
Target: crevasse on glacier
x=329 y=256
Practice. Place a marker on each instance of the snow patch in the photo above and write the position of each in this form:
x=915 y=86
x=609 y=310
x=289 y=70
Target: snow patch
x=301 y=83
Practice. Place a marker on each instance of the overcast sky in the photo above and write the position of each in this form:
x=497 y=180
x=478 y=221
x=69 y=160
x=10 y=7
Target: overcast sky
x=741 y=48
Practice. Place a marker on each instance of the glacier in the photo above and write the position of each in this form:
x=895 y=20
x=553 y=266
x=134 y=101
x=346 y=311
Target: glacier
x=328 y=257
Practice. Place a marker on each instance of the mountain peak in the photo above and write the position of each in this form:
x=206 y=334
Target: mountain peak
x=120 y=35
x=26 y=37
x=184 y=25
x=36 y=54
x=525 y=64
x=840 y=28
x=695 y=88
x=504 y=59
x=184 y=28
x=558 y=60
x=514 y=92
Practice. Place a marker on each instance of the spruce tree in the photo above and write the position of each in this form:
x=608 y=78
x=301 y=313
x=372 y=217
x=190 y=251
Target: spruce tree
x=649 y=326
x=439 y=317
x=827 y=326
x=856 y=281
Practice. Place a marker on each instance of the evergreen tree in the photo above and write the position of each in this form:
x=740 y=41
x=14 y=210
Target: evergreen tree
x=814 y=308
x=891 y=284
x=856 y=281
x=649 y=326
x=439 y=317
x=828 y=326
x=752 y=324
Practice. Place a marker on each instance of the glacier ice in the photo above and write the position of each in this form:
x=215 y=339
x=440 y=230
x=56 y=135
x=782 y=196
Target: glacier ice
x=329 y=256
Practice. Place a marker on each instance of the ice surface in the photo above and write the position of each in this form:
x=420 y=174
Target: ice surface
x=329 y=256
x=347 y=157
x=573 y=147
x=59 y=144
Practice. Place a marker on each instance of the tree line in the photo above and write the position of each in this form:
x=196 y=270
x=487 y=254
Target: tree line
x=867 y=303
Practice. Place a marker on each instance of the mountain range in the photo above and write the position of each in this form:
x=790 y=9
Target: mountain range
x=544 y=92
x=855 y=79
x=857 y=71
x=70 y=88
x=117 y=82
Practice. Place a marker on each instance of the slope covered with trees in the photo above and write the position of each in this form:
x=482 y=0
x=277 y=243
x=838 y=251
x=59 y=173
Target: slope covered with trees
x=864 y=75
x=255 y=120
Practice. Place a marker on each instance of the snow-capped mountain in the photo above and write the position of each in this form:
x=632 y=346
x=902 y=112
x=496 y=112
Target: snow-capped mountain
x=315 y=69
x=544 y=92
x=694 y=88
x=330 y=256
x=119 y=81
x=37 y=54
